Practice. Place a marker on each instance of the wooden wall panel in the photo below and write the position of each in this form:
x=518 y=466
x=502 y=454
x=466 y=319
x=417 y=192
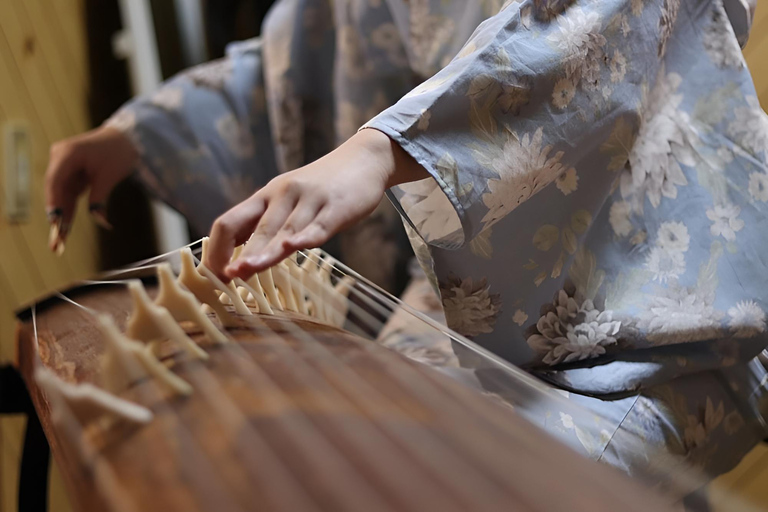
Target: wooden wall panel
x=43 y=82
x=756 y=52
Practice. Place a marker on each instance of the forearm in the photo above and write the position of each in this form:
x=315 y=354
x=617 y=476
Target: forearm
x=395 y=165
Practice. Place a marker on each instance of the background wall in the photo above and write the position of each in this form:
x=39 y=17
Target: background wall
x=756 y=52
x=43 y=82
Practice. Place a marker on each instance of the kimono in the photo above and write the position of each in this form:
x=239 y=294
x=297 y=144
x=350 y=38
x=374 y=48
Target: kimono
x=597 y=195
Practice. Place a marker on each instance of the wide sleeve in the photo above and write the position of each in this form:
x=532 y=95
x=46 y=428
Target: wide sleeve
x=204 y=136
x=534 y=94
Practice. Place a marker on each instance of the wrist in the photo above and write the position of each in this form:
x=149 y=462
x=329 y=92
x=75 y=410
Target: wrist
x=396 y=165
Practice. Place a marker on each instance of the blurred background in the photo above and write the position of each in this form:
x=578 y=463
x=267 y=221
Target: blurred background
x=65 y=66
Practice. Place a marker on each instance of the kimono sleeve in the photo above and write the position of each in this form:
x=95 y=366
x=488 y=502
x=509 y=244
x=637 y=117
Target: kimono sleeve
x=535 y=92
x=204 y=136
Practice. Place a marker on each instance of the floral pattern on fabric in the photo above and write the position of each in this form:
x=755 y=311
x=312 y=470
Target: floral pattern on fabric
x=597 y=194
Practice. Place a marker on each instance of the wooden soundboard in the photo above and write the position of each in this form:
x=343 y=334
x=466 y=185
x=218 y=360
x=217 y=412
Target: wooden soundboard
x=299 y=416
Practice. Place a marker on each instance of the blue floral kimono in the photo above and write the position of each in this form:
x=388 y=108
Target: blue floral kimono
x=596 y=210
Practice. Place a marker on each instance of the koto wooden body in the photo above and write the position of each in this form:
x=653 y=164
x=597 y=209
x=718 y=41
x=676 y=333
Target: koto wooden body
x=299 y=416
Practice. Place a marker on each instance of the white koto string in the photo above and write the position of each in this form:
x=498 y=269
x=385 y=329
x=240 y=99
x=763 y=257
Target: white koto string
x=106 y=483
x=215 y=398
x=430 y=451
x=230 y=411
x=677 y=472
x=330 y=464
x=383 y=304
x=204 y=481
x=314 y=380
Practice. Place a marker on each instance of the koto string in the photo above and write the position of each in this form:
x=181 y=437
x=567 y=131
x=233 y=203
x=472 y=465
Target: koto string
x=115 y=496
x=429 y=451
x=346 y=383
x=416 y=381
x=216 y=400
x=206 y=483
x=257 y=458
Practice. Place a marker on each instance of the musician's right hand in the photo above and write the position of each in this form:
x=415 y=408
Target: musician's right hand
x=304 y=208
x=95 y=161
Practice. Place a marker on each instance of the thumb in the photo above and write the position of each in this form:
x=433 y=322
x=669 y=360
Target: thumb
x=97 y=200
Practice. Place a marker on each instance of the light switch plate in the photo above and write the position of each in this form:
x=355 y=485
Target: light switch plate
x=18 y=170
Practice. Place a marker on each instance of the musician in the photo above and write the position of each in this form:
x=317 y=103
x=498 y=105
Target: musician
x=584 y=182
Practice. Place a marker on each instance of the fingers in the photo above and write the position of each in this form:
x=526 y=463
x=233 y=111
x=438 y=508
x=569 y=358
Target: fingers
x=64 y=181
x=97 y=202
x=253 y=259
x=314 y=235
x=278 y=248
x=230 y=230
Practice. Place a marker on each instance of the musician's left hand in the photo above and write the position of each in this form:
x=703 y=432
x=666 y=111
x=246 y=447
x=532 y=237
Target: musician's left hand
x=304 y=208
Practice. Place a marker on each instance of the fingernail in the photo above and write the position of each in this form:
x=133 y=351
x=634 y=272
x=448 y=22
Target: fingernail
x=101 y=220
x=57 y=236
x=53 y=236
x=99 y=213
x=54 y=214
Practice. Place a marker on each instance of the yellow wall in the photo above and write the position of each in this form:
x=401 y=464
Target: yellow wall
x=43 y=82
x=756 y=52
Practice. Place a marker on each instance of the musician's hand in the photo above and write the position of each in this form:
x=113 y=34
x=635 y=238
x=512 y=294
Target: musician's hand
x=304 y=208
x=96 y=160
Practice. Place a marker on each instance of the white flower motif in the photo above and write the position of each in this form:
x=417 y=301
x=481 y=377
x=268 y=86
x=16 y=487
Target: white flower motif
x=524 y=167
x=618 y=66
x=673 y=236
x=665 y=264
x=638 y=238
x=563 y=93
x=520 y=317
x=470 y=308
x=625 y=28
x=677 y=314
x=354 y=62
x=758 y=186
x=169 y=98
x=566 y=420
x=386 y=36
x=669 y=10
x=212 y=75
x=747 y=319
x=573 y=331
x=719 y=43
x=725 y=221
x=429 y=209
x=749 y=127
x=567 y=182
x=237 y=138
x=124 y=120
x=664 y=141
x=581 y=44
x=619 y=218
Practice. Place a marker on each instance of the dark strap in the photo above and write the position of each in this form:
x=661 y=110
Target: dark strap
x=35 y=458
